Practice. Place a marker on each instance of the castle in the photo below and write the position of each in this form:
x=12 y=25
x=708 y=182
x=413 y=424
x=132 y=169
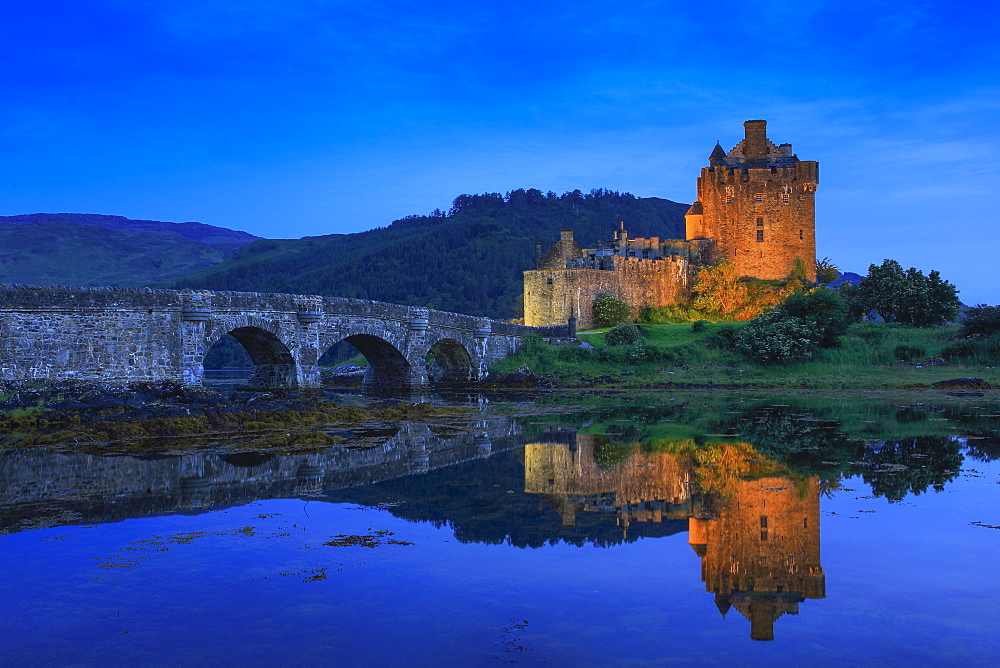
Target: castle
x=755 y=208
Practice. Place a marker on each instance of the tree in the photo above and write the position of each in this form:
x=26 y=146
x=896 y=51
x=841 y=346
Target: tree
x=826 y=271
x=719 y=290
x=906 y=297
x=825 y=309
x=610 y=310
x=981 y=321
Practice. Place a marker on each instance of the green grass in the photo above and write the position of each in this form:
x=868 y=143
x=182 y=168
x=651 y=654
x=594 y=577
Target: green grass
x=674 y=356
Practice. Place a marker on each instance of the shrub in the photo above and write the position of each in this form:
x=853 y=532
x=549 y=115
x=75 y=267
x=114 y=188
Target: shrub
x=777 y=338
x=908 y=353
x=724 y=339
x=610 y=311
x=699 y=326
x=622 y=335
x=825 y=309
x=981 y=320
x=608 y=454
x=973 y=350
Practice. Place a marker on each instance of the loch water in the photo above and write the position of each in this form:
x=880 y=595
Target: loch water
x=601 y=529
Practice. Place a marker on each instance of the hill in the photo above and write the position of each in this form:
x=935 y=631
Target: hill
x=92 y=249
x=467 y=260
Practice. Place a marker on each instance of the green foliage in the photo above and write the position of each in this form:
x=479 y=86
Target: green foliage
x=826 y=271
x=49 y=253
x=469 y=260
x=980 y=321
x=699 y=326
x=622 y=335
x=797 y=280
x=777 y=338
x=825 y=309
x=610 y=310
x=609 y=455
x=673 y=313
x=906 y=297
x=906 y=353
x=974 y=350
x=722 y=292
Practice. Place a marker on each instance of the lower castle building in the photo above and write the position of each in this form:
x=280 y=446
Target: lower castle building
x=755 y=208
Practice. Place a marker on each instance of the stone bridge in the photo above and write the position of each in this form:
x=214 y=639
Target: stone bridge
x=139 y=334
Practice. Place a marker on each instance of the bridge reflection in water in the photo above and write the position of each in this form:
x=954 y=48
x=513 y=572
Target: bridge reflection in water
x=754 y=524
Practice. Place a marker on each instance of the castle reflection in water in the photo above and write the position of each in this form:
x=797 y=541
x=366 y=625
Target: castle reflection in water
x=753 y=523
x=758 y=539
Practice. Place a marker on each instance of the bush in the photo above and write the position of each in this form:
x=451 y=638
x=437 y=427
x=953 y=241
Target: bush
x=622 y=335
x=724 y=339
x=673 y=313
x=825 y=309
x=908 y=353
x=610 y=311
x=699 y=326
x=981 y=320
x=608 y=454
x=974 y=350
x=777 y=338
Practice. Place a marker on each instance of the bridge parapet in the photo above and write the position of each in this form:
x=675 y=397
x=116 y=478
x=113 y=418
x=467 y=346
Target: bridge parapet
x=142 y=334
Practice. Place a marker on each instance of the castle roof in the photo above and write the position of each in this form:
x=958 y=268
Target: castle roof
x=718 y=153
x=695 y=209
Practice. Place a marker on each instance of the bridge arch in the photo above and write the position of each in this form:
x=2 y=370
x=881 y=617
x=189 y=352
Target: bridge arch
x=274 y=364
x=388 y=367
x=452 y=362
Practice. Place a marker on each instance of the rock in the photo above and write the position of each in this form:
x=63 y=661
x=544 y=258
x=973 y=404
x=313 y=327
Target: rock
x=962 y=384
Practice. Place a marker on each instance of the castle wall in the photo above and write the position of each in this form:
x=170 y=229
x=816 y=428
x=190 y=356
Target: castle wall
x=762 y=218
x=551 y=297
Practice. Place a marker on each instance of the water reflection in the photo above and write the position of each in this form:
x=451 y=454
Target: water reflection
x=758 y=538
x=43 y=488
x=744 y=484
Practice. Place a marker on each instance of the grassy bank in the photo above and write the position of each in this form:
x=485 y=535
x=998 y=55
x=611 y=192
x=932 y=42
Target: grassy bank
x=870 y=356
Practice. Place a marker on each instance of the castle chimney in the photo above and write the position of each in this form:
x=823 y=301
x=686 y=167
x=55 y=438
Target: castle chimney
x=786 y=149
x=755 y=145
x=538 y=251
x=566 y=236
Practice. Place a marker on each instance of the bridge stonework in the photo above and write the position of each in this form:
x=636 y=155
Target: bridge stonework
x=139 y=334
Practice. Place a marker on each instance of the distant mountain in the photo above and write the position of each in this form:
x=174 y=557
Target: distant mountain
x=848 y=277
x=468 y=260
x=93 y=249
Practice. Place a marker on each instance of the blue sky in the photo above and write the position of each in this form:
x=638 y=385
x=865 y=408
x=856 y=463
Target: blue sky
x=313 y=117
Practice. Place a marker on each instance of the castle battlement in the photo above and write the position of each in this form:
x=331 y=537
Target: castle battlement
x=755 y=207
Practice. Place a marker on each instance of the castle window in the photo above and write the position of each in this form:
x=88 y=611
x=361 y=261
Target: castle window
x=758 y=197
x=549 y=281
x=785 y=197
x=763 y=534
x=760 y=222
x=763 y=521
x=760 y=235
x=805 y=522
x=762 y=559
x=800 y=235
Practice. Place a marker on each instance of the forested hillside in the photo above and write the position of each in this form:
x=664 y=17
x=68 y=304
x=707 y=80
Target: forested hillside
x=89 y=249
x=468 y=260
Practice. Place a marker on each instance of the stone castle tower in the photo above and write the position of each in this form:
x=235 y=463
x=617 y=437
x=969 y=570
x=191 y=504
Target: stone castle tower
x=757 y=203
x=755 y=208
